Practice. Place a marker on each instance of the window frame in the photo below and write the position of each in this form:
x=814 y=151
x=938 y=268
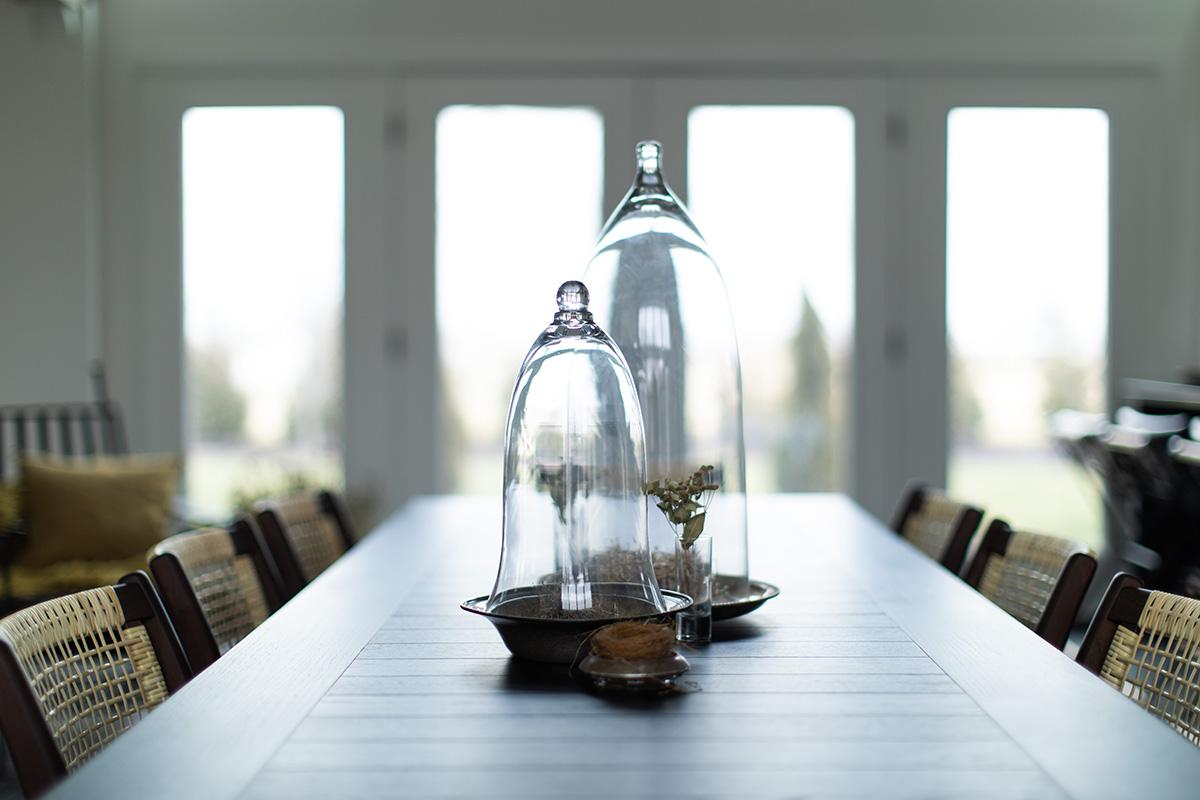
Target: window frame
x=898 y=420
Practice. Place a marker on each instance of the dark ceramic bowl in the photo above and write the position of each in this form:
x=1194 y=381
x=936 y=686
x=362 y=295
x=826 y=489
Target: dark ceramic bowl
x=560 y=641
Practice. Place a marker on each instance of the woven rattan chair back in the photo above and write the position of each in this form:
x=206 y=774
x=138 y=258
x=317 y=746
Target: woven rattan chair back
x=1040 y=580
x=304 y=534
x=938 y=526
x=79 y=670
x=1146 y=645
x=217 y=584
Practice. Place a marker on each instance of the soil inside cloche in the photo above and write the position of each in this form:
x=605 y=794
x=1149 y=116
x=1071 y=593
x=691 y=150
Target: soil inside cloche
x=607 y=602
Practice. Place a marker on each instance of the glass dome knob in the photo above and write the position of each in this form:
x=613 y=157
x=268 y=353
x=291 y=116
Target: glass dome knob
x=572 y=296
x=649 y=157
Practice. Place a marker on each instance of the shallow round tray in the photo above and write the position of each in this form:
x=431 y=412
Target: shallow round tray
x=634 y=676
x=759 y=593
x=558 y=641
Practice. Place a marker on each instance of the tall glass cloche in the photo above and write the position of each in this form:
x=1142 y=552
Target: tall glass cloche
x=574 y=538
x=660 y=296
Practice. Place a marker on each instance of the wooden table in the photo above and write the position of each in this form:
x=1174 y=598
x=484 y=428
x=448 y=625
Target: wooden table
x=876 y=673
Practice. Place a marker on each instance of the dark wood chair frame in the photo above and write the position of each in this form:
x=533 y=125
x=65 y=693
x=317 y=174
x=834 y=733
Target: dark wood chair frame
x=184 y=609
x=955 y=554
x=1122 y=606
x=39 y=763
x=1073 y=581
x=274 y=533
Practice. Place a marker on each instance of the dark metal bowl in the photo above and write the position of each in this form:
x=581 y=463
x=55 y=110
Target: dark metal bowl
x=559 y=641
x=729 y=607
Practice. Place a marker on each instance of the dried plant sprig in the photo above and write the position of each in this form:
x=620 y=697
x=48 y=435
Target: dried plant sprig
x=553 y=481
x=684 y=502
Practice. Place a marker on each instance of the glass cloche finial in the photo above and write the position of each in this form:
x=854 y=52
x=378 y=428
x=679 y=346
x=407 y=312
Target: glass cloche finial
x=649 y=158
x=574 y=523
x=572 y=296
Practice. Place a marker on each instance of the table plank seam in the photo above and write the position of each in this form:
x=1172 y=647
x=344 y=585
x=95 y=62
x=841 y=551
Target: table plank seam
x=1024 y=750
x=274 y=753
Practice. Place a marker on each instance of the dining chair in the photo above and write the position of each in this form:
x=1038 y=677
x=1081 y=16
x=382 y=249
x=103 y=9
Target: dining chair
x=938 y=526
x=1040 y=580
x=304 y=534
x=217 y=585
x=1146 y=645
x=79 y=670
x=1149 y=506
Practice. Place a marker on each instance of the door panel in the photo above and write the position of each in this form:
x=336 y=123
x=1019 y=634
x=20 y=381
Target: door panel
x=785 y=179
x=263 y=263
x=512 y=179
x=1029 y=200
x=145 y=298
x=1026 y=306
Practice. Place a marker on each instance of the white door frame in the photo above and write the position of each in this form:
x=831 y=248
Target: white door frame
x=144 y=298
x=1137 y=272
x=422 y=100
x=672 y=100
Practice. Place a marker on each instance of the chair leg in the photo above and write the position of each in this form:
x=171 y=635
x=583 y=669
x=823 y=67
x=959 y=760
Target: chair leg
x=8 y=588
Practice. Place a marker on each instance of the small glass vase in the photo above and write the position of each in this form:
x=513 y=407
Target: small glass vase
x=693 y=572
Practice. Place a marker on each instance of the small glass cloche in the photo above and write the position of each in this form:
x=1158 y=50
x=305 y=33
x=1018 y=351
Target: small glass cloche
x=575 y=554
x=575 y=542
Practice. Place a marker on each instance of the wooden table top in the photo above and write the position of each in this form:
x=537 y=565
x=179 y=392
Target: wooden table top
x=876 y=673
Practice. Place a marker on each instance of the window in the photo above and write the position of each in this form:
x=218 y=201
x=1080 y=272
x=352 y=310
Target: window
x=263 y=229
x=518 y=210
x=1027 y=306
x=772 y=189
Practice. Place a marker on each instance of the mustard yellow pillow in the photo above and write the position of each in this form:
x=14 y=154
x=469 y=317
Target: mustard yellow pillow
x=101 y=509
x=10 y=504
x=70 y=576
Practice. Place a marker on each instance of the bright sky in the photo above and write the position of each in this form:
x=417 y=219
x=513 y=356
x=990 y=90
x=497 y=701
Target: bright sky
x=1027 y=231
x=772 y=190
x=518 y=210
x=263 y=244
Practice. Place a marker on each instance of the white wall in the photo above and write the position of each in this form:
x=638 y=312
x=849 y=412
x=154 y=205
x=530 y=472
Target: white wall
x=49 y=303
x=1187 y=176
x=627 y=35
x=1174 y=270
